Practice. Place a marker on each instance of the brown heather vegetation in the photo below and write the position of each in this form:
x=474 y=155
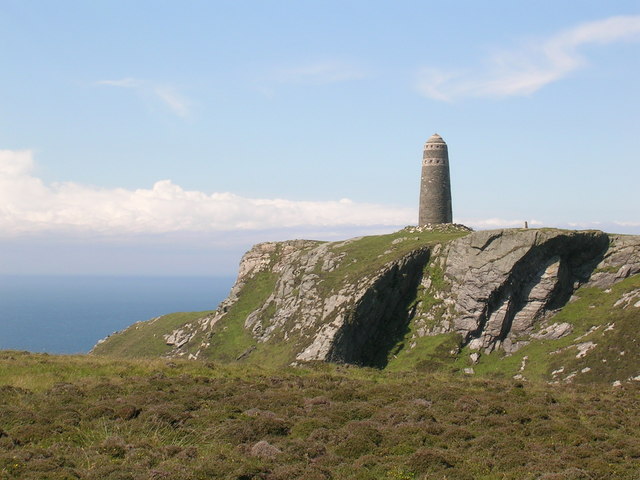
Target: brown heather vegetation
x=100 y=418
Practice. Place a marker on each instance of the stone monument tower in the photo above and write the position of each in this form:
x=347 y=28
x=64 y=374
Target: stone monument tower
x=435 y=186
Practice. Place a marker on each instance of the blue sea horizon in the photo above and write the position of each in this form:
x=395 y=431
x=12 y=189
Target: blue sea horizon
x=70 y=314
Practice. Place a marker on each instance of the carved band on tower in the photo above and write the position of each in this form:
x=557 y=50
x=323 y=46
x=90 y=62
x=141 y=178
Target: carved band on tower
x=435 y=185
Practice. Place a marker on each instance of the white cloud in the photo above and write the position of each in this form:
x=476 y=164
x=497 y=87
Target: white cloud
x=627 y=224
x=28 y=205
x=168 y=95
x=584 y=225
x=320 y=72
x=491 y=223
x=527 y=69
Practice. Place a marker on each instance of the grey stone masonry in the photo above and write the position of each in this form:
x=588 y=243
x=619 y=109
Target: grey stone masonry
x=435 y=184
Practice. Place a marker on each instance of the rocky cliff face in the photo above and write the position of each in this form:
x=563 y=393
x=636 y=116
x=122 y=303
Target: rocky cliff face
x=361 y=300
x=347 y=301
x=507 y=283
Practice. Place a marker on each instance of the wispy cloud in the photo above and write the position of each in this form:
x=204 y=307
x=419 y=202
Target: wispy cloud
x=525 y=70
x=176 y=102
x=29 y=205
x=319 y=73
x=124 y=83
x=168 y=95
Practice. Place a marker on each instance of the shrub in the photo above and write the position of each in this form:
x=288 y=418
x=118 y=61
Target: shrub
x=303 y=427
x=114 y=446
x=427 y=460
x=361 y=438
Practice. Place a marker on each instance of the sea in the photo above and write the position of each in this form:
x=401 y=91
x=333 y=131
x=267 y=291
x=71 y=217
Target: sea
x=69 y=314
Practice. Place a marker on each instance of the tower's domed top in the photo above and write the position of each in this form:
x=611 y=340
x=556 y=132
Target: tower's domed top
x=435 y=138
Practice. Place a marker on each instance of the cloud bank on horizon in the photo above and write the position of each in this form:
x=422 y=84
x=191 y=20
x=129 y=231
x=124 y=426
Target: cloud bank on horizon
x=535 y=64
x=31 y=207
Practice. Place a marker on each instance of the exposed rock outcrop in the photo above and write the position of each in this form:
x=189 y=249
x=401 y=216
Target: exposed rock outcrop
x=352 y=322
x=506 y=282
x=356 y=301
x=621 y=260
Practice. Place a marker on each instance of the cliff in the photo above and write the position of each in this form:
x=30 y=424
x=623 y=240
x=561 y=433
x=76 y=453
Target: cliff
x=538 y=303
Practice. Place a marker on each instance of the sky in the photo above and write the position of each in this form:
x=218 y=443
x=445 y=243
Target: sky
x=165 y=137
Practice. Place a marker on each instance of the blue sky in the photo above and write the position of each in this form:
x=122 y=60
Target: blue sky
x=165 y=137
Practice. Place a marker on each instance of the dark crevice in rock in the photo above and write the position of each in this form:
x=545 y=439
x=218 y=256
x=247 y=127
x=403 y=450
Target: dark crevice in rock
x=521 y=291
x=381 y=318
x=491 y=239
x=578 y=254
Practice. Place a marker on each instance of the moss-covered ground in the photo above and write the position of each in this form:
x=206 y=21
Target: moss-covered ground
x=72 y=417
x=430 y=354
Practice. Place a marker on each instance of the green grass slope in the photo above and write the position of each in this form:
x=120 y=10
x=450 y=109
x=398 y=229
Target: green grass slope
x=229 y=339
x=88 y=417
x=145 y=339
x=367 y=255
